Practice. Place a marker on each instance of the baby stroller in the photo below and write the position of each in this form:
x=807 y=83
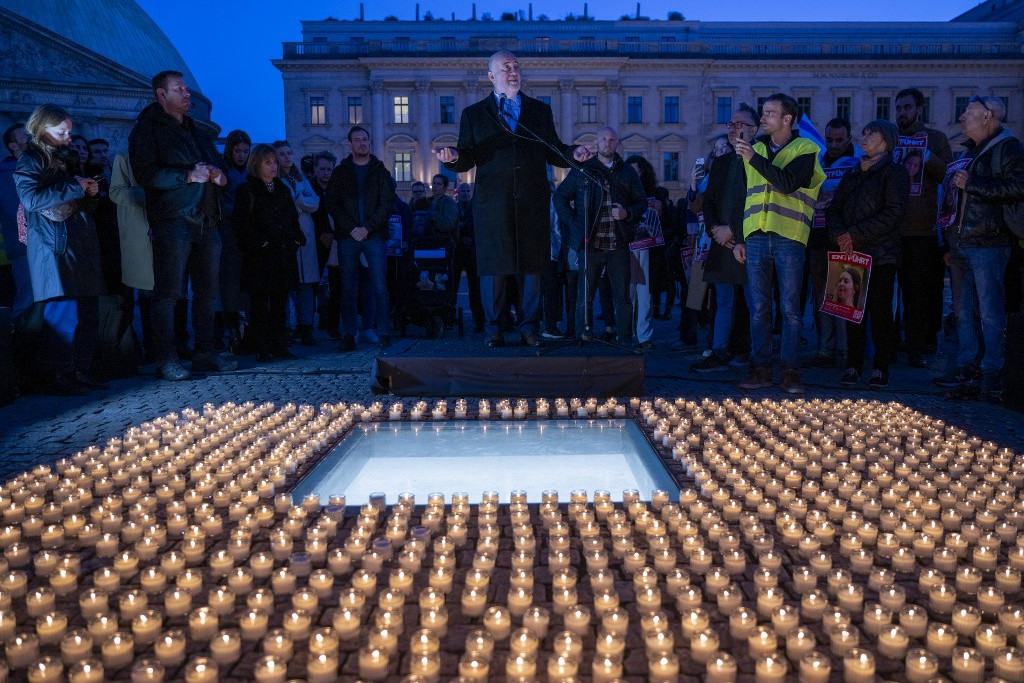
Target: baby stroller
x=429 y=270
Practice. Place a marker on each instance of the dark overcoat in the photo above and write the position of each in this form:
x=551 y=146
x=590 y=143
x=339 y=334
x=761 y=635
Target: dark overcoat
x=267 y=227
x=511 y=197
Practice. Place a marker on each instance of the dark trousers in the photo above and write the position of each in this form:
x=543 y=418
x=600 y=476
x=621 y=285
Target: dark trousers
x=616 y=264
x=268 y=312
x=330 y=316
x=182 y=249
x=465 y=260
x=495 y=291
x=921 y=277
x=556 y=297
x=878 y=310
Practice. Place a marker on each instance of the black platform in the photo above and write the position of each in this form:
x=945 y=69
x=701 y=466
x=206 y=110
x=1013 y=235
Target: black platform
x=573 y=371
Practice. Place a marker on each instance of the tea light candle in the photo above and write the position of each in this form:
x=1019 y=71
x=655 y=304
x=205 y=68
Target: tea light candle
x=770 y=667
x=815 y=668
x=117 y=650
x=966 y=619
x=203 y=623
x=562 y=667
x=606 y=669
x=170 y=648
x=226 y=647
x=40 y=601
x=537 y=619
x=799 y=641
x=921 y=666
x=51 y=627
x=373 y=663
x=75 y=646
x=474 y=666
x=893 y=642
x=1009 y=664
x=720 y=668
x=278 y=644
x=663 y=666
x=843 y=638
x=990 y=600
x=968 y=665
x=270 y=669
x=914 y=620
x=86 y=671
x=201 y=670
x=102 y=625
x=813 y=605
x=742 y=622
x=858 y=666
x=989 y=639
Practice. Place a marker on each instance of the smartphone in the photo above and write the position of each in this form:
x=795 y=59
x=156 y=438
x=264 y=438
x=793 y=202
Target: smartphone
x=741 y=135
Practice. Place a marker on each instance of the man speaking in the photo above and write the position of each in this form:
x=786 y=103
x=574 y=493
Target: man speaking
x=510 y=138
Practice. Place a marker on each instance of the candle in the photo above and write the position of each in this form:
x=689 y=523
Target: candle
x=562 y=667
x=373 y=663
x=1009 y=664
x=201 y=670
x=966 y=619
x=270 y=669
x=859 y=666
x=815 y=668
x=51 y=627
x=893 y=642
x=577 y=619
x=989 y=639
x=968 y=665
x=720 y=668
x=146 y=626
x=46 y=670
x=915 y=620
x=799 y=641
x=843 y=638
x=606 y=669
x=117 y=650
x=474 y=666
x=921 y=665
x=941 y=639
x=202 y=623
x=86 y=671
x=40 y=601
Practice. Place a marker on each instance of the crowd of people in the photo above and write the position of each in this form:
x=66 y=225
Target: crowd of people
x=250 y=250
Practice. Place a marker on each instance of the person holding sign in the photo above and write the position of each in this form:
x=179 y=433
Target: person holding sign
x=865 y=215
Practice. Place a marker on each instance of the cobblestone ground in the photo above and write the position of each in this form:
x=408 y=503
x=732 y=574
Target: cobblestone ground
x=42 y=429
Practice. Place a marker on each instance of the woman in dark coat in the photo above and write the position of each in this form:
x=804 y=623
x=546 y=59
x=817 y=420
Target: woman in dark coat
x=63 y=252
x=865 y=216
x=267 y=226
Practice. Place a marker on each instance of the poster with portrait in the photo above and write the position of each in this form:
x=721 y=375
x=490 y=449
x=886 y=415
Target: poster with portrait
x=911 y=151
x=833 y=175
x=394 y=244
x=846 y=289
x=648 y=230
x=948 y=194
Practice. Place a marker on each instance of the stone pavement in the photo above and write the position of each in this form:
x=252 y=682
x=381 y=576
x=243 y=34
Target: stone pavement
x=42 y=429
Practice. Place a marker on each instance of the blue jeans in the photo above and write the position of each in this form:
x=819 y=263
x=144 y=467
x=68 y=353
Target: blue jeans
x=768 y=253
x=981 y=302
x=302 y=299
x=348 y=260
x=725 y=300
x=180 y=250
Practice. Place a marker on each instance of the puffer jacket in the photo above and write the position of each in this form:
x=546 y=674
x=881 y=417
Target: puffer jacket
x=162 y=153
x=870 y=205
x=996 y=177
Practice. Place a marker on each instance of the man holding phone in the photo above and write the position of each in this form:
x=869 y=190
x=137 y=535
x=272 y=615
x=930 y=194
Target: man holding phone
x=783 y=177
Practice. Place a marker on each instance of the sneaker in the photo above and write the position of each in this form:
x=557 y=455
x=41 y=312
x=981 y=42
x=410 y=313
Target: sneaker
x=551 y=335
x=174 y=372
x=879 y=379
x=820 y=360
x=348 y=343
x=213 y=363
x=961 y=377
x=647 y=345
x=370 y=337
x=740 y=360
x=992 y=387
x=716 y=362
x=850 y=377
x=758 y=377
x=791 y=383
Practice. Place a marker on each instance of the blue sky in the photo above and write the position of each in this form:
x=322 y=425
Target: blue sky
x=229 y=45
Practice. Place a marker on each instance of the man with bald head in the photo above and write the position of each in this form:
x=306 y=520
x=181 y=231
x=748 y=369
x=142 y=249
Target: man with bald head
x=510 y=139
x=601 y=203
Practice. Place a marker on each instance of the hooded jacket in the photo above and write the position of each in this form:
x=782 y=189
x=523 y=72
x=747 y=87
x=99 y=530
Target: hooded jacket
x=162 y=152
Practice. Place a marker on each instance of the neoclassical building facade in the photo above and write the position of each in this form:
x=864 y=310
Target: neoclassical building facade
x=95 y=58
x=666 y=86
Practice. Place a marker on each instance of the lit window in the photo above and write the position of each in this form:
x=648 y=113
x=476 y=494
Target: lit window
x=317 y=110
x=401 y=108
x=355 y=110
x=447 y=109
x=403 y=167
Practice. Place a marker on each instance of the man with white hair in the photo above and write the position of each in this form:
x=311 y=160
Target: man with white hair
x=979 y=244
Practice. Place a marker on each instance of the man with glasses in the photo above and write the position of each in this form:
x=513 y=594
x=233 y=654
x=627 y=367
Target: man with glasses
x=922 y=271
x=979 y=245
x=723 y=219
x=783 y=180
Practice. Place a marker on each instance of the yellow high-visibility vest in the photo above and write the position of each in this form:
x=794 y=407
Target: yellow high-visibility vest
x=769 y=210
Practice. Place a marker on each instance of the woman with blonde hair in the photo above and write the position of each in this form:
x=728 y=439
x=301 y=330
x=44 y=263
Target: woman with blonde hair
x=63 y=252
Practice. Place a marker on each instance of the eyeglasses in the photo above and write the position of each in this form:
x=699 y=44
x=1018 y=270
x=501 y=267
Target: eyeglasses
x=738 y=124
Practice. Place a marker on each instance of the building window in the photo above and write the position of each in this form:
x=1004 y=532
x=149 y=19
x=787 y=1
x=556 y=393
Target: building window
x=843 y=108
x=401 y=108
x=926 y=115
x=670 y=167
x=447 y=109
x=588 y=107
x=883 y=108
x=671 y=109
x=634 y=109
x=960 y=107
x=318 y=110
x=355 y=110
x=803 y=105
x=403 y=167
x=723 y=109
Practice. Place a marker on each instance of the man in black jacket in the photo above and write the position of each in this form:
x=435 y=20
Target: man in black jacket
x=980 y=244
x=180 y=169
x=360 y=199
x=510 y=139
x=601 y=217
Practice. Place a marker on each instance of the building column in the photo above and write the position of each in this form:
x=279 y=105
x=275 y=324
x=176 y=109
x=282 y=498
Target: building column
x=565 y=87
x=426 y=154
x=612 y=88
x=377 y=119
